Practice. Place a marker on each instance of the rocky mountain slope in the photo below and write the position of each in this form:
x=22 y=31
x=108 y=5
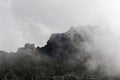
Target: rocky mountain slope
x=64 y=57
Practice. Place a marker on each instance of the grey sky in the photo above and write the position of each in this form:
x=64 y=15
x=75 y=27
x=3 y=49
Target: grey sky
x=33 y=21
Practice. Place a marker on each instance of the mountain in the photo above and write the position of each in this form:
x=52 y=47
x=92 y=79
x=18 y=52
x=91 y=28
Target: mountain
x=64 y=57
x=72 y=42
x=64 y=45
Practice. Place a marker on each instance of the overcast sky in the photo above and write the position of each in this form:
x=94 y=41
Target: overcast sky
x=33 y=21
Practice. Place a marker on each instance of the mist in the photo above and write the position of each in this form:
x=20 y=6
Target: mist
x=28 y=21
x=104 y=48
x=86 y=50
x=34 y=21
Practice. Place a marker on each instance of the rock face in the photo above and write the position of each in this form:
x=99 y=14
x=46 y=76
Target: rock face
x=28 y=49
x=63 y=45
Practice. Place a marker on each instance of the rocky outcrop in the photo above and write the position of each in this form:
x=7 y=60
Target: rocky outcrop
x=63 y=45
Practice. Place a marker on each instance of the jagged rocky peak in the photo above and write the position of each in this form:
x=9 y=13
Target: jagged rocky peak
x=72 y=41
x=88 y=32
x=71 y=35
x=63 y=39
x=79 y=33
x=63 y=44
x=27 y=49
x=29 y=46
